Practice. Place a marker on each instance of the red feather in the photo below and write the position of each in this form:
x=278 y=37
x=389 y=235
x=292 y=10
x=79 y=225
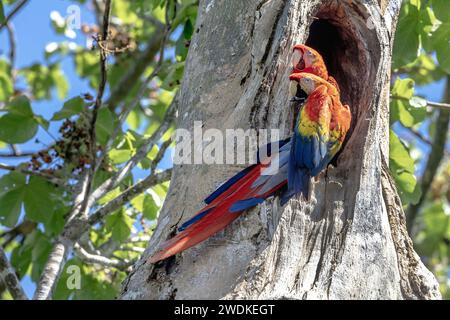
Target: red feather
x=217 y=219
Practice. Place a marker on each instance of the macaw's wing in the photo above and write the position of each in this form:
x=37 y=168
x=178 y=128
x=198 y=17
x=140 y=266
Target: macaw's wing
x=334 y=83
x=243 y=191
x=310 y=142
x=269 y=149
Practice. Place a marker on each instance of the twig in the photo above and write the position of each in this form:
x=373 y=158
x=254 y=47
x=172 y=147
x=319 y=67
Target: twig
x=145 y=148
x=98 y=103
x=138 y=239
x=9 y=277
x=13 y=13
x=74 y=224
x=434 y=159
x=12 y=46
x=420 y=136
x=429 y=103
x=162 y=150
x=129 y=194
x=90 y=258
x=127 y=108
x=48 y=177
x=20 y=154
x=121 y=90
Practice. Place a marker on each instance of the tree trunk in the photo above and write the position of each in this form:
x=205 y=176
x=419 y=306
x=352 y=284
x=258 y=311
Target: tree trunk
x=350 y=240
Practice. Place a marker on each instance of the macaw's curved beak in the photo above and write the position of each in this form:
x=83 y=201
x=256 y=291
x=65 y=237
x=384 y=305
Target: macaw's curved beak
x=298 y=63
x=295 y=91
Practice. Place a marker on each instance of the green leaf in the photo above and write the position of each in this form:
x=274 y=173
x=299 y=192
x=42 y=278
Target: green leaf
x=21 y=258
x=6 y=85
x=424 y=70
x=441 y=43
x=401 y=108
x=150 y=208
x=42 y=122
x=70 y=108
x=17 y=129
x=39 y=255
x=188 y=29
x=20 y=106
x=43 y=79
x=120 y=156
x=119 y=223
x=39 y=205
x=441 y=9
x=109 y=196
x=409 y=190
x=418 y=102
x=60 y=81
x=398 y=153
x=402 y=168
x=407 y=40
x=2 y=13
x=10 y=204
x=104 y=125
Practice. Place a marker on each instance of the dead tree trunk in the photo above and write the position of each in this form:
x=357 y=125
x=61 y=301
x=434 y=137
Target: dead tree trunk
x=350 y=240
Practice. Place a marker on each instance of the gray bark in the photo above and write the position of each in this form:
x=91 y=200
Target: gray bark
x=349 y=241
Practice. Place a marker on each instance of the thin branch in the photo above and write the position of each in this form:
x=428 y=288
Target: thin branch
x=19 y=155
x=121 y=90
x=48 y=177
x=12 y=46
x=13 y=13
x=145 y=148
x=420 y=136
x=71 y=232
x=161 y=152
x=133 y=249
x=129 y=194
x=135 y=239
x=90 y=258
x=129 y=107
x=9 y=277
x=98 y=103
x=434 y=159
x=429 y=103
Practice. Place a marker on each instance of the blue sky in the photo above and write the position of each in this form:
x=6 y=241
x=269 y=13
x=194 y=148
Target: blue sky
x=34 y=32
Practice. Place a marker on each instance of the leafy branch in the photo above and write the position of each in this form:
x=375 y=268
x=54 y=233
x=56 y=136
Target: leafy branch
x=13 y=12
x=9 y=277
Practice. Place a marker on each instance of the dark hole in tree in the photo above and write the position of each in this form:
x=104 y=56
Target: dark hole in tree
x=339 y=49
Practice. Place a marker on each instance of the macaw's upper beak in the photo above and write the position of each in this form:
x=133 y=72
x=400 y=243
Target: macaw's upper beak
x=298 y=63
x=294 y=87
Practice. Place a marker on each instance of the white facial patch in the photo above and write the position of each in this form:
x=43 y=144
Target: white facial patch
x=292 y=88
x=307 y=85
x=296 y=57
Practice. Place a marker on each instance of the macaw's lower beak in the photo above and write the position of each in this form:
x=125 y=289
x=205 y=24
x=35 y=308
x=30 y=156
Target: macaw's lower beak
x=296 y=92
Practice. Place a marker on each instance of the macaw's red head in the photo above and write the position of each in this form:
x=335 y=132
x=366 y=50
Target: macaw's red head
x=306 y=59
x=308 y=82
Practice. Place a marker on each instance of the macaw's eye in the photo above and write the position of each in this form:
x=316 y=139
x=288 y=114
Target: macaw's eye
x=296 y=57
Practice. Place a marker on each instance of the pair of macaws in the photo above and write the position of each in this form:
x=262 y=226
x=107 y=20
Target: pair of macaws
x=320 y=129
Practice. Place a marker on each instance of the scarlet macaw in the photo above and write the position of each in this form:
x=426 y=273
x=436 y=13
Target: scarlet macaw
x=306 y=59
x=318 y=134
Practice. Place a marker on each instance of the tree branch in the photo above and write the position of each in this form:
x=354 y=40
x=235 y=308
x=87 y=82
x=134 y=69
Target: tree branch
x=71 y=232
x=140 y=154
x=90 y=258
x=9 y=277
x=48 y=177
x=13 y=13
x=434 y=159
x=129 y=194
x=121 y=90
x=429 y=103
